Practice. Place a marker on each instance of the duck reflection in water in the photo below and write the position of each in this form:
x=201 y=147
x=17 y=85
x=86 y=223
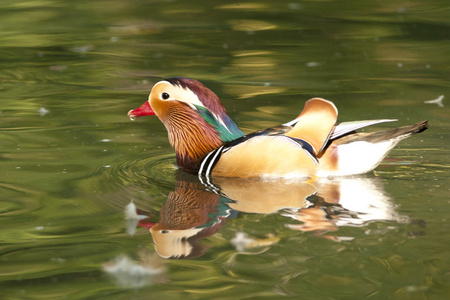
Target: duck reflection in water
x=190 y=214
x=197 y=209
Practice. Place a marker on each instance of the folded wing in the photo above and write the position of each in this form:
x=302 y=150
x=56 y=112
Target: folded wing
x=315 y=123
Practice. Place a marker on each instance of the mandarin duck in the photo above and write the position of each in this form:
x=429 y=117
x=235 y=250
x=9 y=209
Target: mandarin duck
x=208 y=143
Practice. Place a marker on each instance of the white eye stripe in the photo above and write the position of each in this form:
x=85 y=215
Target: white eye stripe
x=176 y=93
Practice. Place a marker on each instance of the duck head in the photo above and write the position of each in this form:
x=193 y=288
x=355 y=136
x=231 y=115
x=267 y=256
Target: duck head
x=195 y=119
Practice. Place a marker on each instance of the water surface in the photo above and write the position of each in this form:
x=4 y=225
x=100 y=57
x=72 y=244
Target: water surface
x=72 y=162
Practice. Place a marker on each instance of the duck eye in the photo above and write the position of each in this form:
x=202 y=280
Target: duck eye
x=165 y=96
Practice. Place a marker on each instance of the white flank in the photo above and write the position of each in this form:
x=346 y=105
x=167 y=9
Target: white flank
x=360 y=157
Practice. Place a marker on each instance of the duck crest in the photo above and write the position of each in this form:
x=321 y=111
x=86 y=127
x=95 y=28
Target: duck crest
x=212 y=110
x=206 y=96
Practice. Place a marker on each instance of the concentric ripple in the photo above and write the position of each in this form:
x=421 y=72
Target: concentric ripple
x=140 y=174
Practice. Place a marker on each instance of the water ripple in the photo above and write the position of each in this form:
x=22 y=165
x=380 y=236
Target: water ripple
x=157 y=169
x=138 y=179
x=11 y=205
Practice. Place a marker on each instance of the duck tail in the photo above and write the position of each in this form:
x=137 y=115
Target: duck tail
x=362 y=152
x=399 y=133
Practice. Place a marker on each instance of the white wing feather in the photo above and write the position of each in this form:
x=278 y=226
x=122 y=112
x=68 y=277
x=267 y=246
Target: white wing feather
x=346 y=127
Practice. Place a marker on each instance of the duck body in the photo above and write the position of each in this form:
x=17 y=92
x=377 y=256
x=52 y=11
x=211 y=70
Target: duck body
x=207 y=142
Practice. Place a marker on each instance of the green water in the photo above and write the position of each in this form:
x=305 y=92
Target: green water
x=71 y=161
